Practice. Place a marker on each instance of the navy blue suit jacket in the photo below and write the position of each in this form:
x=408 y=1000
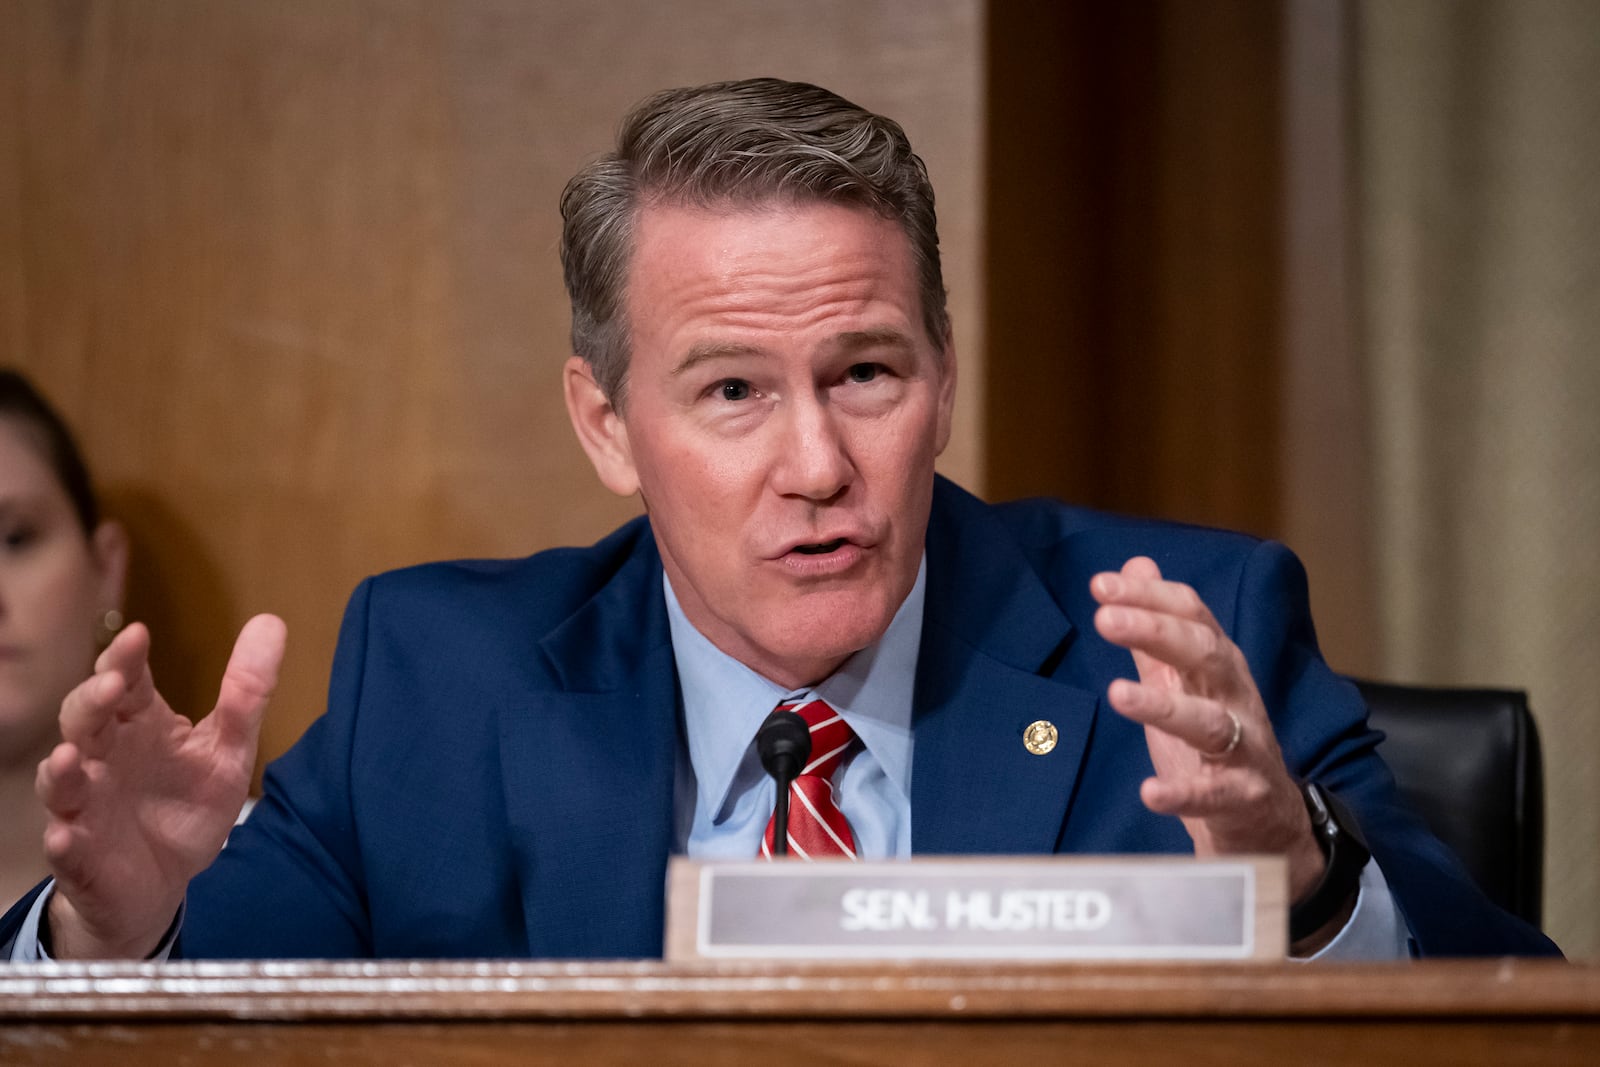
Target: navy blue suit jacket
x=494 y=773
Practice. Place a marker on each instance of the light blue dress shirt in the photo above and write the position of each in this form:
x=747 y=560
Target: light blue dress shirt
x=723 y=797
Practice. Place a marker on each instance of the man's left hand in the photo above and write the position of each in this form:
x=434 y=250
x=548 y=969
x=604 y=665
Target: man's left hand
x=1217 y=762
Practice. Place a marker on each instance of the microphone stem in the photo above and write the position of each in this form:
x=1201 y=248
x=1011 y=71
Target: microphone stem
x=780 y=821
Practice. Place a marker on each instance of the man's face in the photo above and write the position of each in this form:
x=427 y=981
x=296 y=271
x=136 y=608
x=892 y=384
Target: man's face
x=784 y=408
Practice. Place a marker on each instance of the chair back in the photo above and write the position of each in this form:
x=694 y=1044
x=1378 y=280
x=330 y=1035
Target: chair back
x=1468 y=762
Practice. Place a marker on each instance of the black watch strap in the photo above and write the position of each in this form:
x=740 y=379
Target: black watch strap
x=1346 y=853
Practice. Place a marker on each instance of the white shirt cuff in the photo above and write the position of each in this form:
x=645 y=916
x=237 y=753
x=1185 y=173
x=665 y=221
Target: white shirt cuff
x=1375 y=930
x=27 y=949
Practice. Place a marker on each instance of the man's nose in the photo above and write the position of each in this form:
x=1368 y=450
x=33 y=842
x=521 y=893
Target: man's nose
x=813 y=459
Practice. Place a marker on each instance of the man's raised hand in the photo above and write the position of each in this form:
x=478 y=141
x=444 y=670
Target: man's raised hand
x=139 y=799
x=1217 y=762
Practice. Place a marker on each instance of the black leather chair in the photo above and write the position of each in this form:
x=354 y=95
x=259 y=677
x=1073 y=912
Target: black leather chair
x=1468 y=762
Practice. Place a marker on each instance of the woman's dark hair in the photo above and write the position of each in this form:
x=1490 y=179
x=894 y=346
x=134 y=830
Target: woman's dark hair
x=21 y=403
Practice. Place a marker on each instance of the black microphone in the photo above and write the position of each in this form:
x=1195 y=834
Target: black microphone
x=784 y=743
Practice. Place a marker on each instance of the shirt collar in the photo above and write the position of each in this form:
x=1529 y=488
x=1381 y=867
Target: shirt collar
x=724 y=701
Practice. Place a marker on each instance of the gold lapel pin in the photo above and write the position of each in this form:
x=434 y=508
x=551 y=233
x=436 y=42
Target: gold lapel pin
x=1040 y=737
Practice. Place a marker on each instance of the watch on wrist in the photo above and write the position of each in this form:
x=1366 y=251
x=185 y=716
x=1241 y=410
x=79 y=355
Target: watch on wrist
x=1346 y=853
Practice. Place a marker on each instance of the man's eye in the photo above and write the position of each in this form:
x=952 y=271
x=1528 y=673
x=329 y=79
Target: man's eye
x=734 y=389
x=863 y=372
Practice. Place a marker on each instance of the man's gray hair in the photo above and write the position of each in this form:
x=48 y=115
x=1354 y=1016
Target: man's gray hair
x=736 y=142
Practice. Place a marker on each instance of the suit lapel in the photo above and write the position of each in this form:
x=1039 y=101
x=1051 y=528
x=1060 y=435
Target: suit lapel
x=588 y=770
x=991 y=632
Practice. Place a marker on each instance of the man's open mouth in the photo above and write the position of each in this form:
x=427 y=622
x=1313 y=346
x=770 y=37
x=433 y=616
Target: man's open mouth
x=823 y=549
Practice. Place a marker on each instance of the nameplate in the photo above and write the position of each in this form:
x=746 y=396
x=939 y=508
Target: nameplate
x=1069 y=908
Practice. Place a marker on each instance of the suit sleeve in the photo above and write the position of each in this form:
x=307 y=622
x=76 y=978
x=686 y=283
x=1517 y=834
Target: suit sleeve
x=290 y=883
x=1321 y=724
x=12 y=922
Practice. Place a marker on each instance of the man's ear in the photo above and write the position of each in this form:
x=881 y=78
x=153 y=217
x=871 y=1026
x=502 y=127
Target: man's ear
x=600 y=428
x=947 y=392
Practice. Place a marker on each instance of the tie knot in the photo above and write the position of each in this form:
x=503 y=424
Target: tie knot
x=831 y=736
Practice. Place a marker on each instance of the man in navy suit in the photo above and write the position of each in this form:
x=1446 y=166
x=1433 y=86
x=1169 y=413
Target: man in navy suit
x=512 y=750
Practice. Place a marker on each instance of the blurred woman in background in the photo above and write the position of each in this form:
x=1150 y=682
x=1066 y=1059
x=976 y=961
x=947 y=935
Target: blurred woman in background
x=62 y=570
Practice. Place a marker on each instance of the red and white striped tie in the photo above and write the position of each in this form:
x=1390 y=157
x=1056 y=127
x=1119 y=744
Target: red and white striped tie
x=817 y=828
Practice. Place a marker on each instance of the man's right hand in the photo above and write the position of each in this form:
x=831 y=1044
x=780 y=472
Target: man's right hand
x=139 y=799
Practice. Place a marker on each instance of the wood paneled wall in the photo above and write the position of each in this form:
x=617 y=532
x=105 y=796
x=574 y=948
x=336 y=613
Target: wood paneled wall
x=1168 y=316
x=1134 y=246
x=290 y=269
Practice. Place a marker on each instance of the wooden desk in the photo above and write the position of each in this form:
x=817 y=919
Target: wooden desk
x=1457 y=1013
